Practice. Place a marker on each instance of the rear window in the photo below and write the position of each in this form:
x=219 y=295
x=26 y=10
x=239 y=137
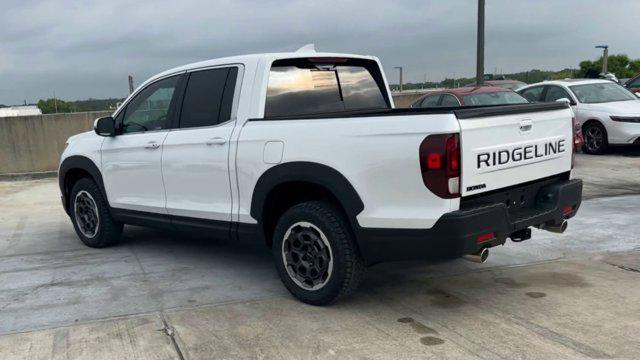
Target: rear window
x=316 y=86
x=494 y=98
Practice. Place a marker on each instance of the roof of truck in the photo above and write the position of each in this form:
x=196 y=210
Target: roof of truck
x=304 y=52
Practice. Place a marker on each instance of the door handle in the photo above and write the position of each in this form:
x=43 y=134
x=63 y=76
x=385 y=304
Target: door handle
x=216 y=141
x=526 y=125
x=152 y=145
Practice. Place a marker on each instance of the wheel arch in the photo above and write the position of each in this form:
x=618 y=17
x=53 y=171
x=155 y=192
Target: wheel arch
x=73 y=169
x=594 y=120
x=287 y=184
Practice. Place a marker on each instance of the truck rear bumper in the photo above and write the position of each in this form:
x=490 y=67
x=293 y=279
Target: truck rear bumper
x=485 y=222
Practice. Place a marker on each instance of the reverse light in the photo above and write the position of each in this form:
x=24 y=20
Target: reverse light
x=440 y=164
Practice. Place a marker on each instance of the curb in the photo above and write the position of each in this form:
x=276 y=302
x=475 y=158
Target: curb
x=28 y=176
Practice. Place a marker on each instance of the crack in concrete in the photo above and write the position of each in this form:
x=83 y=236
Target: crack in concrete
x=171 y=333
x=624 y=267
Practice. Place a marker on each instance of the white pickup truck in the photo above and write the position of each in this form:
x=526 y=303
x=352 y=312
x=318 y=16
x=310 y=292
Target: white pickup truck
x=305 y=152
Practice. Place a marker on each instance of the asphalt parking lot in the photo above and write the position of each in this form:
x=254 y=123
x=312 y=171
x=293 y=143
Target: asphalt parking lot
x=167 y=296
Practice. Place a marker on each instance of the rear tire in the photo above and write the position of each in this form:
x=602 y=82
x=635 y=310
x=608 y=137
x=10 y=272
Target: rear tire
x=90 y=215
x=595 y=138
x=315 y=253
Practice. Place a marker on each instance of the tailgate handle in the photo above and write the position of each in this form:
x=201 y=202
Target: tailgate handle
x=526 y=125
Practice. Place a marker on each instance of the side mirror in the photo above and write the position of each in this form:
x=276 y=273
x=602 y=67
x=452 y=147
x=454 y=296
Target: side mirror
x=105 y=126
x=570 y=102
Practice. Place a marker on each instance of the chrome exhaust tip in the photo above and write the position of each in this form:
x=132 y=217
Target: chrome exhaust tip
x=479 y=257
x=557 y=228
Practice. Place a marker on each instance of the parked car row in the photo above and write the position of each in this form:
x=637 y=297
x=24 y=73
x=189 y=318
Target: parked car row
x=606 y=113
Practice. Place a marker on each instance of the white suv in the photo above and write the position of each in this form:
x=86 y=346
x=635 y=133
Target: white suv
x=609 y=113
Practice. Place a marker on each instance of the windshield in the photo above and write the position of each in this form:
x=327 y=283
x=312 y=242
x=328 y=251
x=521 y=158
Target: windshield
x=494 y=98
x=601 y=93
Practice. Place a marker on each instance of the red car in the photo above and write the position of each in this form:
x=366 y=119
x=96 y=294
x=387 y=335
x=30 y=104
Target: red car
x=507 y=84
x=469 y=96
x=484 y=95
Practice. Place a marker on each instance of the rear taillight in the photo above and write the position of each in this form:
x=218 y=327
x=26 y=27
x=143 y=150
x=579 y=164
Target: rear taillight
x=578 y=140
x=440 y=164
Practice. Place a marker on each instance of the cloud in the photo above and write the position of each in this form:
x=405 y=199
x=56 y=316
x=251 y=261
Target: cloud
x=82 y=49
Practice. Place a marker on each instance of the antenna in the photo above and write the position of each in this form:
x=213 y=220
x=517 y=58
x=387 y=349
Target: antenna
x=308 y=48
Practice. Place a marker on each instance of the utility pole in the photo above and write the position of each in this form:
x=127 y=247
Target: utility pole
x=400 y=69
x=480 y=45
x=130 y=84
x=55 y=101
x=605 y=57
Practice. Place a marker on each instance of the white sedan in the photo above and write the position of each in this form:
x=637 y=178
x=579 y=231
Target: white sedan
x=609 y=113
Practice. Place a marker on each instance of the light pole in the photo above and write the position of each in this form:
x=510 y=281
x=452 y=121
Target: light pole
x=605 y=57
x=480 y=45
x=130 y=84
x=400 y=68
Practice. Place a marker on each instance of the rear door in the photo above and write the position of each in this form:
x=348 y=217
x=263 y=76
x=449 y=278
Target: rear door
x=195 y=162
x=509 y=145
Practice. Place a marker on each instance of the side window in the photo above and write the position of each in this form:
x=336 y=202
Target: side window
x=208 y=97
x=532 y=94
x=554 y=93
x=430 y=101
x=635 y=83
x=149 y=110
x=449 y=101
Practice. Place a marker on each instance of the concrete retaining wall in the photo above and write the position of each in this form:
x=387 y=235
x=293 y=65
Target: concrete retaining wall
x=34 y=143
x=31 y=144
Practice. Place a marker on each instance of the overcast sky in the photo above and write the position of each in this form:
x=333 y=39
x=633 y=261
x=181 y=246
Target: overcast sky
x=83 y=49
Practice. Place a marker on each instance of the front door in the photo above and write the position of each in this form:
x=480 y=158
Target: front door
x=195 y=162
x=131 y=160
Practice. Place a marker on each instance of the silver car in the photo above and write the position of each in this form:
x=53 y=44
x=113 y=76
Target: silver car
x=609 y=113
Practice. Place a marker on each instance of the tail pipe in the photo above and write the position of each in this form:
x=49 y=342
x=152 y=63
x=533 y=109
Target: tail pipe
x=479 y=257
x=558 y=228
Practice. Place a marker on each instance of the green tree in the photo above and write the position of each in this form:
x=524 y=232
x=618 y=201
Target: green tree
x=50 y=106
x=619 y=64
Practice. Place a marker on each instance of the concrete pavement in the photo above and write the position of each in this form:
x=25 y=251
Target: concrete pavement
x=167 y=296
x=569 y=309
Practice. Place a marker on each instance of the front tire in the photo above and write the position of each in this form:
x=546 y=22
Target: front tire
x=315 y=253
x=595 y=139
x=90 y=215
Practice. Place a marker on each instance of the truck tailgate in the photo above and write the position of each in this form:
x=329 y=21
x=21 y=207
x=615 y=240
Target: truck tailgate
x=509 y=145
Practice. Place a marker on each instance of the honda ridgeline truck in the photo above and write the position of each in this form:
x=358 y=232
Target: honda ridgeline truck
x=305 y=152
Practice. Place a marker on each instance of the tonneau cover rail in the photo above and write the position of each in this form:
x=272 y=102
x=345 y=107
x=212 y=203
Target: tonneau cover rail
x=469 y=113
x=466 y=112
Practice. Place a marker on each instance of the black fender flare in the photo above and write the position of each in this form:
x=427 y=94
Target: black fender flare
x=82 y=163
x=311 y=172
